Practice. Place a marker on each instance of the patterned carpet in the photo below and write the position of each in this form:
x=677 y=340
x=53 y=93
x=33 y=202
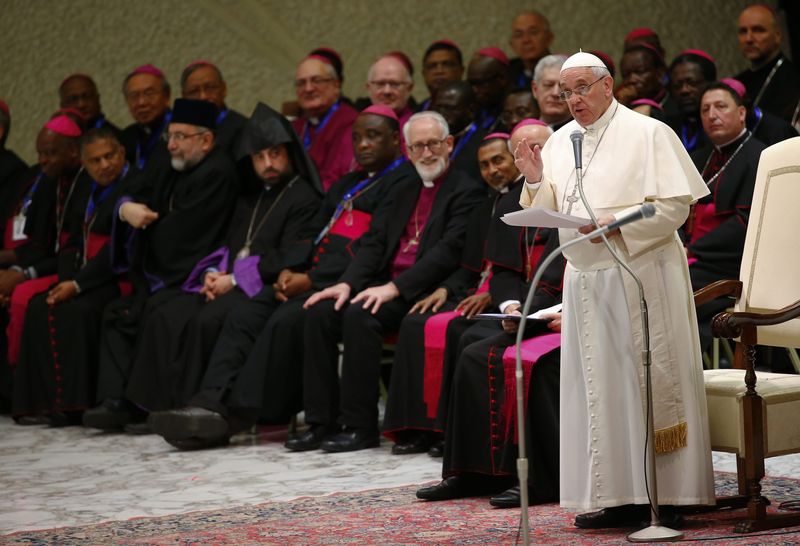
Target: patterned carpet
x=393 y=516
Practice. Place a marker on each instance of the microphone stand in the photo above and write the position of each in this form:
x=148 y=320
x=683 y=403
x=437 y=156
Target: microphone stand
x=522 y=461
x=655 y=532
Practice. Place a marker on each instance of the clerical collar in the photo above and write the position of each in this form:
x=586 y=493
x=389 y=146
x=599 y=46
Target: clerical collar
x=721 y=147
x=503 y=190
x=603 y=120
x=432 y=183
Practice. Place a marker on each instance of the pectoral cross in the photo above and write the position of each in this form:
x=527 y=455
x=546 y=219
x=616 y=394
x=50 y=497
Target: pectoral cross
x=572 y=199
x=411 y=242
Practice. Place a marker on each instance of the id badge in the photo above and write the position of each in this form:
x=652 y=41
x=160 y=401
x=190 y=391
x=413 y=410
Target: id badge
x=19 y=228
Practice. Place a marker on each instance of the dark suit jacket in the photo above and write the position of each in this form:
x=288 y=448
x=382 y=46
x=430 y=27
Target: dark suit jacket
x=439 y=250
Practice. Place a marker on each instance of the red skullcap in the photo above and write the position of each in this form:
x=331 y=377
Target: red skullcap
x=698 y=53
x=148 y=69
x=4 y=107
x=528 y=121
x=63 y=125
x=381 y=110
x=640 y=33
x=494 y=53
x=493 y=136
x=648 y=102
x=736 y=85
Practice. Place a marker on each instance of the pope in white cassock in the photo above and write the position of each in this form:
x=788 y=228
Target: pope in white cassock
x=628 y=159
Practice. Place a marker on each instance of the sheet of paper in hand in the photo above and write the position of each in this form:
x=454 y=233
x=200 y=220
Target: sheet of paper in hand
x=537 y=316
x=543 y=217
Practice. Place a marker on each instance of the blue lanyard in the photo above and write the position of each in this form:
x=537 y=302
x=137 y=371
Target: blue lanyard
x=154 y=138
x=221 y=116
x=463 y=140
x=487 y=121
x=522 y=82
x=103 y=195
x=26 y=201
x=353 y=193
x=100 y=121
x=318 y=127
x=688 y=144
x=426 y=104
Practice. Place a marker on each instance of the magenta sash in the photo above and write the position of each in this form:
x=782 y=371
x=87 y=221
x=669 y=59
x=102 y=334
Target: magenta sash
x=435 y=340
x=351 y=224
x=20 y=297
x=532 y=349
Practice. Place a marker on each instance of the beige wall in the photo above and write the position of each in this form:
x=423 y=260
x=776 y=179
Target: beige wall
x=258 y=43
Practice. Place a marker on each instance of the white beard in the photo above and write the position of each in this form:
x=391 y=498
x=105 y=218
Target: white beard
x=432 y=171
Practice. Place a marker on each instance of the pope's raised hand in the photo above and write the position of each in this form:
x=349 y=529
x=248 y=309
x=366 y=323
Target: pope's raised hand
x=529 y=161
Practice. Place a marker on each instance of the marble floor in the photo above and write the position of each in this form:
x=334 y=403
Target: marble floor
x=74 y=476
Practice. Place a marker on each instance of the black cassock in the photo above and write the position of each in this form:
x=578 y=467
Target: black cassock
x=718 y=253
x=256 y=365
x=194 y=207
x=176 y=342
x=57 y=367
x=227 y=131
x=12 y=177
x=781 y=95
x=479 y=439
x=407 y=407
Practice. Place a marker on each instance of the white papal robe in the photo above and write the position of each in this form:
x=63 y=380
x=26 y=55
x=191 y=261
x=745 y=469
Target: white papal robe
x=628 y=159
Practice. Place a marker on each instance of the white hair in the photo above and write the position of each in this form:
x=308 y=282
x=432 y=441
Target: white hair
x=600 y=71
x=550 y=61
x=436 y=116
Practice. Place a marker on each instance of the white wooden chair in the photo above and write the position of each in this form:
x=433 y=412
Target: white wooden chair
x=759 y=420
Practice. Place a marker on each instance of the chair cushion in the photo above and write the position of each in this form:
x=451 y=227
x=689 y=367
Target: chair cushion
x=781 y=401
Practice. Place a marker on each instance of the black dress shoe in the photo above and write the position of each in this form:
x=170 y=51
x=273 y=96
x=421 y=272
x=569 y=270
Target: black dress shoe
x=113 y=414
x=190 y=422
x=138 y=429
x=193 y=444
x=65 y=419
x=458 y=487
x=510 y=498
x=419 y=442
x=351 y=439
x=312 y=438
x=32 y=420
x=437 y=449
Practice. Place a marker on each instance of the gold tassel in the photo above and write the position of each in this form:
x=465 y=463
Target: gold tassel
x=672 y=438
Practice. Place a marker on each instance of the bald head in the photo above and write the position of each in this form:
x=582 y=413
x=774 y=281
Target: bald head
x=533 y=134
x=389 y=83
x=759 y=34
x=530 y=37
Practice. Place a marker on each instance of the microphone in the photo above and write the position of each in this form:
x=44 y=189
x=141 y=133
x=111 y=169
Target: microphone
x=645 y=211
x=577 y=147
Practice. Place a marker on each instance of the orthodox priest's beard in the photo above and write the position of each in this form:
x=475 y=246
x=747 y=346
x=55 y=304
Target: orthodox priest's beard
x=184 y=162
x=431 y=168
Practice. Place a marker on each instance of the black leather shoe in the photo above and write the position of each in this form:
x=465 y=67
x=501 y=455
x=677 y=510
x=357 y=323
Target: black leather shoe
x=138 y=429
x=510 y=498
x=419 y=442
x=312 y=438
x=351 y=439
x=192 y=444
x=32 y=420
x=113 y=414
x=65 y=419
x=437 y=449
x=457 y=487
x=190 y=422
